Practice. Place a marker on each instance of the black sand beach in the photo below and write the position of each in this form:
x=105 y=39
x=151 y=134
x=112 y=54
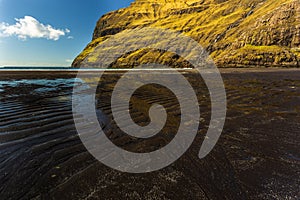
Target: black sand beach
x=257 y=156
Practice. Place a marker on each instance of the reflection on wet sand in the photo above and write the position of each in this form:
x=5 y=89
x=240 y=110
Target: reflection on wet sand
x=257 y=156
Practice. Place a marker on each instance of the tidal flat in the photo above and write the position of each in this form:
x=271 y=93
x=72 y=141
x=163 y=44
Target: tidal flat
x=257 y=156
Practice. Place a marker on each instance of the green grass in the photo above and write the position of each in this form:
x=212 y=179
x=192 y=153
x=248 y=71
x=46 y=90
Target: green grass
x=244 y=42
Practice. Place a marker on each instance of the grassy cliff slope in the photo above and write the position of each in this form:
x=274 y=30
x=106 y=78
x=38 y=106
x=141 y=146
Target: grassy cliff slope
x=237 y=33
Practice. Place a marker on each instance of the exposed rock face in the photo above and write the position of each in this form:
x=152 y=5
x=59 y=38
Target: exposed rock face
x=235 y=32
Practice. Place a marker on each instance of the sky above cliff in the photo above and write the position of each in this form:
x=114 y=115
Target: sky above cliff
x=48 y=33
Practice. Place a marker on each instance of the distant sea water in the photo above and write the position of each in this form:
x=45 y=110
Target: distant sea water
x=35 y=68
x=60 y=68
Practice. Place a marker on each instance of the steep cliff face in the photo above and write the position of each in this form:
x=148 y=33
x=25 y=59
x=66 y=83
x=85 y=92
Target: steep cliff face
x=235 y=32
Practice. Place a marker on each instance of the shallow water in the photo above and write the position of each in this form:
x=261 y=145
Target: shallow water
x=257 y=156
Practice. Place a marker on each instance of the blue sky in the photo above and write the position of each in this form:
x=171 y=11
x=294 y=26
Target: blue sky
x=48 y=33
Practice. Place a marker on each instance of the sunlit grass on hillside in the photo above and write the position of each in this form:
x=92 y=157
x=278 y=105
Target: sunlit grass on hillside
x=233 y=31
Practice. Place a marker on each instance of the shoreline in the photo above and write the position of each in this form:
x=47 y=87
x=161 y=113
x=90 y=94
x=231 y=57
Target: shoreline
x=256 y=73
x=221 y=69
x=38 y=73
x=254 y=69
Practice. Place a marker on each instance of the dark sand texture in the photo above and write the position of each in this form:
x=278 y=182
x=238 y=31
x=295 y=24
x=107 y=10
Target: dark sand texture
x=257 y=156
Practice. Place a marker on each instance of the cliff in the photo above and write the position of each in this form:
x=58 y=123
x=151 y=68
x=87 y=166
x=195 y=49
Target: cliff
x=237 y=33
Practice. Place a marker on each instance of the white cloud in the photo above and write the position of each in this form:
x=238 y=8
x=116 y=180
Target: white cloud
x=29 y=27
x=69 y=60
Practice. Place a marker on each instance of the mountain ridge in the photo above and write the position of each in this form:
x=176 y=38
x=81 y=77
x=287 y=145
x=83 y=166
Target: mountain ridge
x=236 y=33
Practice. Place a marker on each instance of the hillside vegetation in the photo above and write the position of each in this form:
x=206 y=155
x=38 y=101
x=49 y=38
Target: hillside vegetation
x=236 y=33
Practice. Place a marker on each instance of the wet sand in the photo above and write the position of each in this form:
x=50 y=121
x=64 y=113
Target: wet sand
x=257 y=156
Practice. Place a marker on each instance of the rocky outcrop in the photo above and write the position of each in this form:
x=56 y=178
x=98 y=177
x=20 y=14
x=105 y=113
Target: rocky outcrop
x=237 y=33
